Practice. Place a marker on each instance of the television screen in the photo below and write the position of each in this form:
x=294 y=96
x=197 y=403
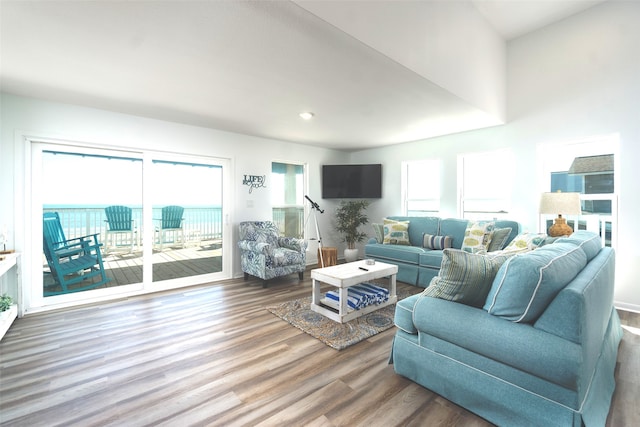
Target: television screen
x=352 y=181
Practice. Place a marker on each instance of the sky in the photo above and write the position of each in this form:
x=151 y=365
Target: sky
x=70 y=179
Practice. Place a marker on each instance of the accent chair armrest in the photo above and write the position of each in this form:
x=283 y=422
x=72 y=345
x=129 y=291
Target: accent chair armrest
x=298 y=245
x=259 y=247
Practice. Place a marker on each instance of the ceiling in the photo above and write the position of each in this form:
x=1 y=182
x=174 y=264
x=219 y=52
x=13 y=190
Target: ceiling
x=245 y=67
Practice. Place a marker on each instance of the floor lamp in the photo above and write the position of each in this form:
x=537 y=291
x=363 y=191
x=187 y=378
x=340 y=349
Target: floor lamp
x=560 y=203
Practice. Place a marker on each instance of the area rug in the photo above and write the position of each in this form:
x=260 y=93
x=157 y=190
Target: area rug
x=337 y=335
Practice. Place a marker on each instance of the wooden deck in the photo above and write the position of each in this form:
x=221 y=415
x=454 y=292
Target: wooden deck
x=172 y=262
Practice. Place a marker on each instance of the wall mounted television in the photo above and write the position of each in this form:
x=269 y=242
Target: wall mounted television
x=352 y=181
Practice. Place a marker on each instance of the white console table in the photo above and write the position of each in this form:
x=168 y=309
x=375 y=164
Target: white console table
x=7 y=317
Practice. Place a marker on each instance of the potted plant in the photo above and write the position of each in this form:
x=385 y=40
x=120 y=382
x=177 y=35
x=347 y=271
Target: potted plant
x=8 y=312
x=350 y=215
x=5 y=302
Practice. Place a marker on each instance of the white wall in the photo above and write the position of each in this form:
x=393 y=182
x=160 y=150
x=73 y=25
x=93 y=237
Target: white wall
x=569 y=81
x=248 y=155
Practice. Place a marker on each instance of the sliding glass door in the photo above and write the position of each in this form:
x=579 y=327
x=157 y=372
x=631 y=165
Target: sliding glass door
x=187 y=218
x=111 y=222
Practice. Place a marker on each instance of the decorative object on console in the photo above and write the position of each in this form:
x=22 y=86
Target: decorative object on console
x=560 y=203
x=350 y=215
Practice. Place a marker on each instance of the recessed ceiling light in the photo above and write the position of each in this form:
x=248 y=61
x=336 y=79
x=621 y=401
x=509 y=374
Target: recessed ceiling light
x=306 y=115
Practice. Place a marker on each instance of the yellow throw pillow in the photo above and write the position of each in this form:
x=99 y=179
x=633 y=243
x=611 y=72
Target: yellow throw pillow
x=396 y=232
x=478 y=236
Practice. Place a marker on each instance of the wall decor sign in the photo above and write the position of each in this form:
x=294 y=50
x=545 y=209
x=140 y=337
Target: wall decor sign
x=254 y=181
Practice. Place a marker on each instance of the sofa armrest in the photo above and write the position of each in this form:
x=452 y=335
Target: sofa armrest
x=514 y=344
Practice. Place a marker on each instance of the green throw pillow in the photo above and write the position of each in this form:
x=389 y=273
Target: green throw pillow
x=499 y=239
x=477 y=236
x=528 y=241
x=378 y=231
x=396 y=232
x=465 y=277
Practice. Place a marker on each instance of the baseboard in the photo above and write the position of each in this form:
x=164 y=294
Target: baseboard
x=627 y=307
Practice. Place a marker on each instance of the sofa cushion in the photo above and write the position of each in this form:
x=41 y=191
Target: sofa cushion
x=455 y=228
x=403 y=317
x=431 y=259
x=477 y=236
x=526 y=283
x=530 y=241
x=430 y=241
x=589 y=241
x=396 y=232
x=465 y=277
x=395 y=253
x=499 y=239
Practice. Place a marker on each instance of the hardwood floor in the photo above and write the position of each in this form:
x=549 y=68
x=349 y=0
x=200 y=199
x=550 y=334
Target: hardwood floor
x=213 y=356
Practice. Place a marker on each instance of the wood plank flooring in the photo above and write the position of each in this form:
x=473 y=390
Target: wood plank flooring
x=213 y=356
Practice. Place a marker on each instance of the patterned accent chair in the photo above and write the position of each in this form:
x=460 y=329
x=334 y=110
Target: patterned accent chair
x=265 y=254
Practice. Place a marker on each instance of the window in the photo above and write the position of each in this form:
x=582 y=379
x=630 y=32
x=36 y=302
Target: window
x=421 y=188
x=484 y=191
x=287 y=198
x=588 y=168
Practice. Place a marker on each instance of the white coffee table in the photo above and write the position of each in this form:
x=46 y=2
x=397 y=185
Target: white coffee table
x=344 y=275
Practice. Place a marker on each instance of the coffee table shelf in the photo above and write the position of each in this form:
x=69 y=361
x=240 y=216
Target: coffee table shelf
x=343 y=276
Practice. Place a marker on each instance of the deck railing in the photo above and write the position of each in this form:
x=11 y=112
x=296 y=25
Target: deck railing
x=203 y=223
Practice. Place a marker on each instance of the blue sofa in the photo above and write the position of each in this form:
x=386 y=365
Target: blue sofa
x=418 y=265
x=541 y=351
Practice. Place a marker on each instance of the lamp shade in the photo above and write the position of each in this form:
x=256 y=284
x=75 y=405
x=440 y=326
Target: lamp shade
x=559 y=203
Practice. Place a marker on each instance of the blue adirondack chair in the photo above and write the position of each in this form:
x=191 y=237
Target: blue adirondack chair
x=75 y=264
x=120 y=224
x=172 y=221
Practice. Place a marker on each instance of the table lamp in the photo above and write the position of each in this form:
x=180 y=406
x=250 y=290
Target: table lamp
x=560 y=203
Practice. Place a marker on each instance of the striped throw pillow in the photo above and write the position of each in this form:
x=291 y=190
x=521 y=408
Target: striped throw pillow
x=430 y=241
x=465 y=277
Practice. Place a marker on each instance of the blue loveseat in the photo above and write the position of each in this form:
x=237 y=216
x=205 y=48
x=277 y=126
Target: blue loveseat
x=417 y=265
x=542 y=349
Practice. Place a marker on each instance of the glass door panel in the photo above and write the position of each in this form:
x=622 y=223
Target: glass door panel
x=92 y=211
x=187 y=219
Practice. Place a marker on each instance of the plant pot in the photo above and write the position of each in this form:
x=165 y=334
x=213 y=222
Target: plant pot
x=350 y=255
x=6 y=319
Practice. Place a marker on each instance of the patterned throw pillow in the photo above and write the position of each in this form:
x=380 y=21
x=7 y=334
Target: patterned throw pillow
x=378 y=231
x=430 y=241
x=396 y=232
x=465 y=277
x=529 y=241
x=499 y=239
x=477 y=236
